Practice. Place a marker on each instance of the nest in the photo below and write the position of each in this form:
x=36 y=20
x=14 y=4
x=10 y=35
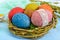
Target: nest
x=34 y=33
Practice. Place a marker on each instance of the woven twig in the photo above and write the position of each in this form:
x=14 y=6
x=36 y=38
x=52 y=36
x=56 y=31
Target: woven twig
x=34 y=33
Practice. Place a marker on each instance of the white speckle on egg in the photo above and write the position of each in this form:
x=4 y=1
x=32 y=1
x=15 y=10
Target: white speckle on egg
x=44 y=16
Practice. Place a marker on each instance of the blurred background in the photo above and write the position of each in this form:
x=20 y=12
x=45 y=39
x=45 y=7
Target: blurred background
x=7 y=5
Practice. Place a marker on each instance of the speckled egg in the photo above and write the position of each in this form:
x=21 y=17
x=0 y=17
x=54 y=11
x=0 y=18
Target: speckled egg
x=14 y=11
x=21 y=20
x=41 y=17
x=30 y=8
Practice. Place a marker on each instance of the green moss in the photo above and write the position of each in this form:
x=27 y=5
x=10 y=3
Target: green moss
x=32 y=26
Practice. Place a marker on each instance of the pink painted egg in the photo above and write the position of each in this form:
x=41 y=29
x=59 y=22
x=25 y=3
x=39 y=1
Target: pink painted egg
x=41 y=17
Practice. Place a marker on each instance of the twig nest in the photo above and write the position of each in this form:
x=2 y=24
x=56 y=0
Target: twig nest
x=21 y=20
x=41 y=17
x=46 y=7
x=14 y=11
x=30 y=8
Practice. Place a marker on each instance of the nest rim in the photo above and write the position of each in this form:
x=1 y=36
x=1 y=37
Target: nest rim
x=54 y=22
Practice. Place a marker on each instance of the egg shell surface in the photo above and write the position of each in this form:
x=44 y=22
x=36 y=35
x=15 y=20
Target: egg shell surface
x=30 y=8
x=21 y=20
x=46 y=7
x=41 y=17
x=14 y=11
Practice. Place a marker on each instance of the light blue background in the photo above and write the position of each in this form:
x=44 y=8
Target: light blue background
x=5 y=7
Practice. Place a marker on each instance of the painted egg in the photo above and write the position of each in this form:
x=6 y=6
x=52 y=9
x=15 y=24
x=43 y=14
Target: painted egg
x=30 y=8
x=41 y=17
x=46 y=7
x=14 y=11
x=21 y=20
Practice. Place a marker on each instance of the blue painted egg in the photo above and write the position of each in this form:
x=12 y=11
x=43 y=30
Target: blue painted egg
x=21 y=20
